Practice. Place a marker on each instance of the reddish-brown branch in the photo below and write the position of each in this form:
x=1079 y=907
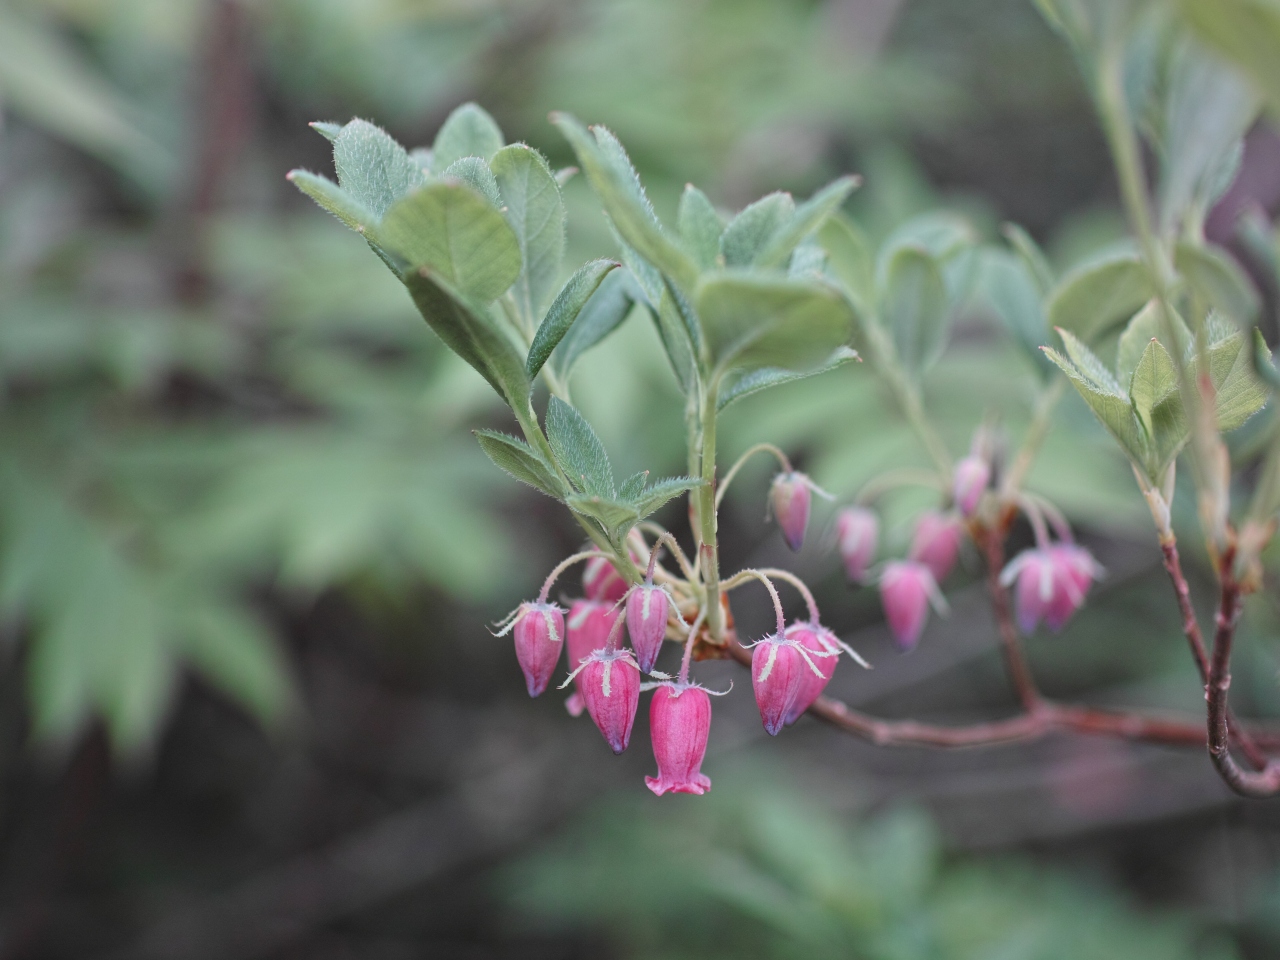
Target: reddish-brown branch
x=1264 y=782
x=1047 y=717
x=1191 y=629
x=1015 y=657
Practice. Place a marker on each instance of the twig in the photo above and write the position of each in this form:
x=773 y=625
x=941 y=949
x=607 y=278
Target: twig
x=1015 y=657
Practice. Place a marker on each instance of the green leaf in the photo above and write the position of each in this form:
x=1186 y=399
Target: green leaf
x=326 y=129
x=941 y=234
x=372 y=168
x=1154 y=381
x=1012 y=293
x=1208 y=110
x=752 y=320
x=615 y=182
x=1147 y=325
x=468 y=132
x=1262 y=365
x=535 y=210
x=748 y=233
x=239 y=655
x=451 y=230
x=566 y=308
x=662 y=491
x=633 y=486
x=613 y=515
x=807 y=260
x=1216 y=278
x=735 y=388
x=336 y=200
x=1033 y=257
x=1111 y=408
x=700 y=226
x=1096 y=295
x=850 y=261
x=1240 y=391
x=578 y=450
x=915 y=307
x=1089 y=364
x=673 y=331
x=807 y=218
x=521 y=461
x=470 y=332
x=611 y=304
x=475 y=173
x=1247 y=32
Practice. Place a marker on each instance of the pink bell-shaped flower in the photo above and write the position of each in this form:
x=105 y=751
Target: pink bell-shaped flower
x=602 y=581
x=589 y=625
x=777 y=671
x=610 y=686
x=647 y=608
x=539 y=635
x=858 y=531
x=823 y=649
x=972 y=474
x=1078 y=569
x=1052 y=583
x=790 y=499
x=679 y=722
x=907 y=587
x=936 y=542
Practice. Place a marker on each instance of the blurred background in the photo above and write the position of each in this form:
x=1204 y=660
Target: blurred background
x=249 y=706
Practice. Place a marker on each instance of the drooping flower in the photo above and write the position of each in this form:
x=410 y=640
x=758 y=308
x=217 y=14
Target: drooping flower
x=1052 y=583
x=647 y=608
x=602 y=581
x=858 y=530
x=610 y=687
x=972 y=474
x=936 y=542
x=824 y=651
x=679 y=722
x=777 y=671
x=589 y=624
x=790 y=499
x=539 y=636
x=907 y=588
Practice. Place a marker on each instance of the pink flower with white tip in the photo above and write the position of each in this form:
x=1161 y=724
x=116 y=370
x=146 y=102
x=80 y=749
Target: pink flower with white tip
x=936 y=542
x=610 y=684
x=539 y=636
x=824 y=650
x=778 y=667
x=589 y=625
x=602 y=581
x=647 y=607
x=969 y=481
x=790 y=497
x=858 y=531
x=907 y=588
x=1052 y=583
x=679 y=723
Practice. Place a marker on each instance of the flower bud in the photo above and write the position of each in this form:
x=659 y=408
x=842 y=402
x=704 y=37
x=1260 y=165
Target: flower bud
x=971 y=477
x=679 y=722
x=1051 y=584
x=602 y=581
x=936 y=542
x=823 y=652
x=589 y=625
x=539 y=635
x=776 y=675
x=1034 y=572
x=790 y=497
x=906 y=589
x=858 y=530
x=647 y=623
x=610 y=685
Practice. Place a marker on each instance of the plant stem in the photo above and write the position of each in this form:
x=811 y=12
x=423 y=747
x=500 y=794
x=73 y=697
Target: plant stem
x=1015 y=657
x=708 y=547
x=562 y=566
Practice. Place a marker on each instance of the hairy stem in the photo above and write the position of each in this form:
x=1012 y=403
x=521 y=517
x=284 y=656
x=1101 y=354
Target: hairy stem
x=733 y=471
x=708 y=547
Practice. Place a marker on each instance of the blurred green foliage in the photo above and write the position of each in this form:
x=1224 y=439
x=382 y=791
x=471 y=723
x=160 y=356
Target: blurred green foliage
x=755 y=870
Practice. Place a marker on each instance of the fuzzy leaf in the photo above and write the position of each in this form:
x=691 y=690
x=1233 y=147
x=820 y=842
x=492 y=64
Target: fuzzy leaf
x=1218 y=281
x=1011 y=291
x=372 y=168
x=475 y=173
x=1096 y=295
x=750 y=231
x=700 y=226
x=752 y=320
x=580 y=453
x=732 y=389
x=1241 y=392
x=611 y=304
x=565 y=309
x=662 y=491
x=326 y=129
x=1032 y=256
x=1154 y=381
x=468 y=132
x=336 y=200
x=1112 y=409
x=615 y=181
x=1147 y=325
x=615 y=516
x=633 y=486
x=915 y=307
x=451 y=230
x=1248 y=33
x=673 y=331
x=535 y=210
x=807 y=218
x=521 y=461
